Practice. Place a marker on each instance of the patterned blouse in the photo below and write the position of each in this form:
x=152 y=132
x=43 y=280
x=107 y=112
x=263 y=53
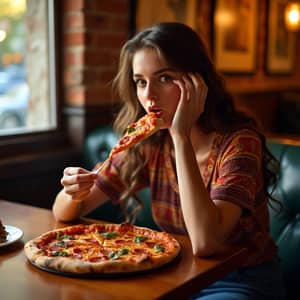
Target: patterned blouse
x=233 y=173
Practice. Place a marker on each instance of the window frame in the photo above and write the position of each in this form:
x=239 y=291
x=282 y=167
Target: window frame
x=21 y=147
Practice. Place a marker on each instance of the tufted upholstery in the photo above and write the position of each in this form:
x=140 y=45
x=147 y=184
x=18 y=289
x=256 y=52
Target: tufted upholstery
x=97 y=145
x=285 y=226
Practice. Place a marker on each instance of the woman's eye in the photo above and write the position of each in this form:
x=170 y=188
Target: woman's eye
x=140 y=82
x=165 y=78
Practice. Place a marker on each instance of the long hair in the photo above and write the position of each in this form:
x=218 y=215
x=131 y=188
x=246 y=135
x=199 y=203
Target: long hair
x=182 y=49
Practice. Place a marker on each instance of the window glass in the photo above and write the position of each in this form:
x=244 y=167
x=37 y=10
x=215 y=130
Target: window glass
x=27 y=66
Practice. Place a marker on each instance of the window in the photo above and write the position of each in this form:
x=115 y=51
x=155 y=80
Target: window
x=27 y=67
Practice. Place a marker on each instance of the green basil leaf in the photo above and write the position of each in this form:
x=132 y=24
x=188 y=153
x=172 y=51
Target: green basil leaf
x=109 y=235
x=61 y=244
x=139 y=238
x=159 y=248
x=59 y=253
x=67 y=236
x=58 y=235
x=123 y=251
x=113 y=255
x=130 y=130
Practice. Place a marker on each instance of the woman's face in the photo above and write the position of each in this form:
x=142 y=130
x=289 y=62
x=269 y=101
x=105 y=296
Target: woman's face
x=155 y=88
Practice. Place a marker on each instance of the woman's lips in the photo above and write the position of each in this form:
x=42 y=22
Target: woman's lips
x=156 y=110
x=153 y=109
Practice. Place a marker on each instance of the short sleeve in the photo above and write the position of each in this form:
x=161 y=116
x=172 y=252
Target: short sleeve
x=109 y=180
x=238 y=177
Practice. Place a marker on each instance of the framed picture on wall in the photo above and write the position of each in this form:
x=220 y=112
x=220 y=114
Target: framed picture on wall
x=147 y=13
x=235 y=35
x=281 y=44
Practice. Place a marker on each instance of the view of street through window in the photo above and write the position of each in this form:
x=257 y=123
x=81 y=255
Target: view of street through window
x=27 y=91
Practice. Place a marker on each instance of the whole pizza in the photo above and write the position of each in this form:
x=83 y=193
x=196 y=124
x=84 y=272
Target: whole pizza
x=102 y=249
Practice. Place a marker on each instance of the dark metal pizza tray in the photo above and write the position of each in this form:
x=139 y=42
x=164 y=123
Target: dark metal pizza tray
x=104 y=275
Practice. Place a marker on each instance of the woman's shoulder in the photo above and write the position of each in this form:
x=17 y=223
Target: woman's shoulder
x=244 y=138
x=242 y=132
x=238 y=135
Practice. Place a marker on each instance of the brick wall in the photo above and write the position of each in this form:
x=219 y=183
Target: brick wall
x=93 y=32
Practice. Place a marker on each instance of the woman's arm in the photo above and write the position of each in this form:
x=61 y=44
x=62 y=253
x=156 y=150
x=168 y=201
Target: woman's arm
x=208 y=221
x=79 y=196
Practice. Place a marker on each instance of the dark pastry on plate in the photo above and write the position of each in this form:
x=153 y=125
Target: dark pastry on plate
x=3 y=233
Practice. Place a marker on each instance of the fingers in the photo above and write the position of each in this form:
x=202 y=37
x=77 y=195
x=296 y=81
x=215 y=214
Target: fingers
x=75 y=170
x=196 y=83
x=183 y=89
x=77 y=182
x=75 y=188
x=80 y=195
x=77 y=175
x=200 y=85
x=192 y=86
x=189 y=86
x=186 y=87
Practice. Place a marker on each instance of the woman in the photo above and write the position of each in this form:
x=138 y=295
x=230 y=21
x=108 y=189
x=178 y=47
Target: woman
x=208 y=168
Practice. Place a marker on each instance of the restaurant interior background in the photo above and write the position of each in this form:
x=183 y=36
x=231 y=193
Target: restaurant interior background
x=247 y=39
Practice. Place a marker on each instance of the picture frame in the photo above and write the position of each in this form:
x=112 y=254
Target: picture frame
x=280 y=43
x=147 y=13
x=235 y=35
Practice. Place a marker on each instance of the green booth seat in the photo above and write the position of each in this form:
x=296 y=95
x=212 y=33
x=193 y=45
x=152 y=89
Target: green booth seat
x=285 y=223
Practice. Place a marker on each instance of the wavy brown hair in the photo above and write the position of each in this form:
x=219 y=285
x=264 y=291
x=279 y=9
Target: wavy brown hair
x=182 y=49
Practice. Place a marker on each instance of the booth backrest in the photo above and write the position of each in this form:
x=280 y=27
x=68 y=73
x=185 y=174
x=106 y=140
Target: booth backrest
x=285 y=224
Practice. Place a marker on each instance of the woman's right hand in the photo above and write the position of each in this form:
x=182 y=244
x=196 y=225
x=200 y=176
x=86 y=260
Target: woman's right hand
x=191 y=104
x=77 y=182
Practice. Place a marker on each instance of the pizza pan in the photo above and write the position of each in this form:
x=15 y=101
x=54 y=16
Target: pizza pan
x=104 y=275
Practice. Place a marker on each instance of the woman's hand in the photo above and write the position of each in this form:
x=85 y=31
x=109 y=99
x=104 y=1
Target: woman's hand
x=77 y=182
x=191 y=103
x=79 y=195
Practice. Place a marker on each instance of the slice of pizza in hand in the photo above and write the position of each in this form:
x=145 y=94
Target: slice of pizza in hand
x=138 y=131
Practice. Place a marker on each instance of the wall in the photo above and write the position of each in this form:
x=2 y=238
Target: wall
x=93 y=32
x=261 y=81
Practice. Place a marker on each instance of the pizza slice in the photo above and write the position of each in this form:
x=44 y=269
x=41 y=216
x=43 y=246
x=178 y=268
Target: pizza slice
x=138 y=131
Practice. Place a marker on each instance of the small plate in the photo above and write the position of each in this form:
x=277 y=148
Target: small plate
x=14 y=234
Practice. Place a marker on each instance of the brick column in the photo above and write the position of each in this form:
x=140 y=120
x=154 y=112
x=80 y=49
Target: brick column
x=92 y=35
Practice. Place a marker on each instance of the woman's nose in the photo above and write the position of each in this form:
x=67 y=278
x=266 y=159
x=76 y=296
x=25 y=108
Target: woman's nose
x=150 y=93
x=150 y=103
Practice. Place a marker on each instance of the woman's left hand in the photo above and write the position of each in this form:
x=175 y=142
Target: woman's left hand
x=191 y=103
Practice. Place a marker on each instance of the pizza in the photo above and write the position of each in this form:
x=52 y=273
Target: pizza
x=138 y=131
x=102 y=249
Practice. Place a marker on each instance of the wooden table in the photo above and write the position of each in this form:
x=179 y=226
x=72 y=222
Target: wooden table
x=19 y=279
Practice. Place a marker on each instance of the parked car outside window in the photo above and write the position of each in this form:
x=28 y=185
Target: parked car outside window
x=14 y=106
